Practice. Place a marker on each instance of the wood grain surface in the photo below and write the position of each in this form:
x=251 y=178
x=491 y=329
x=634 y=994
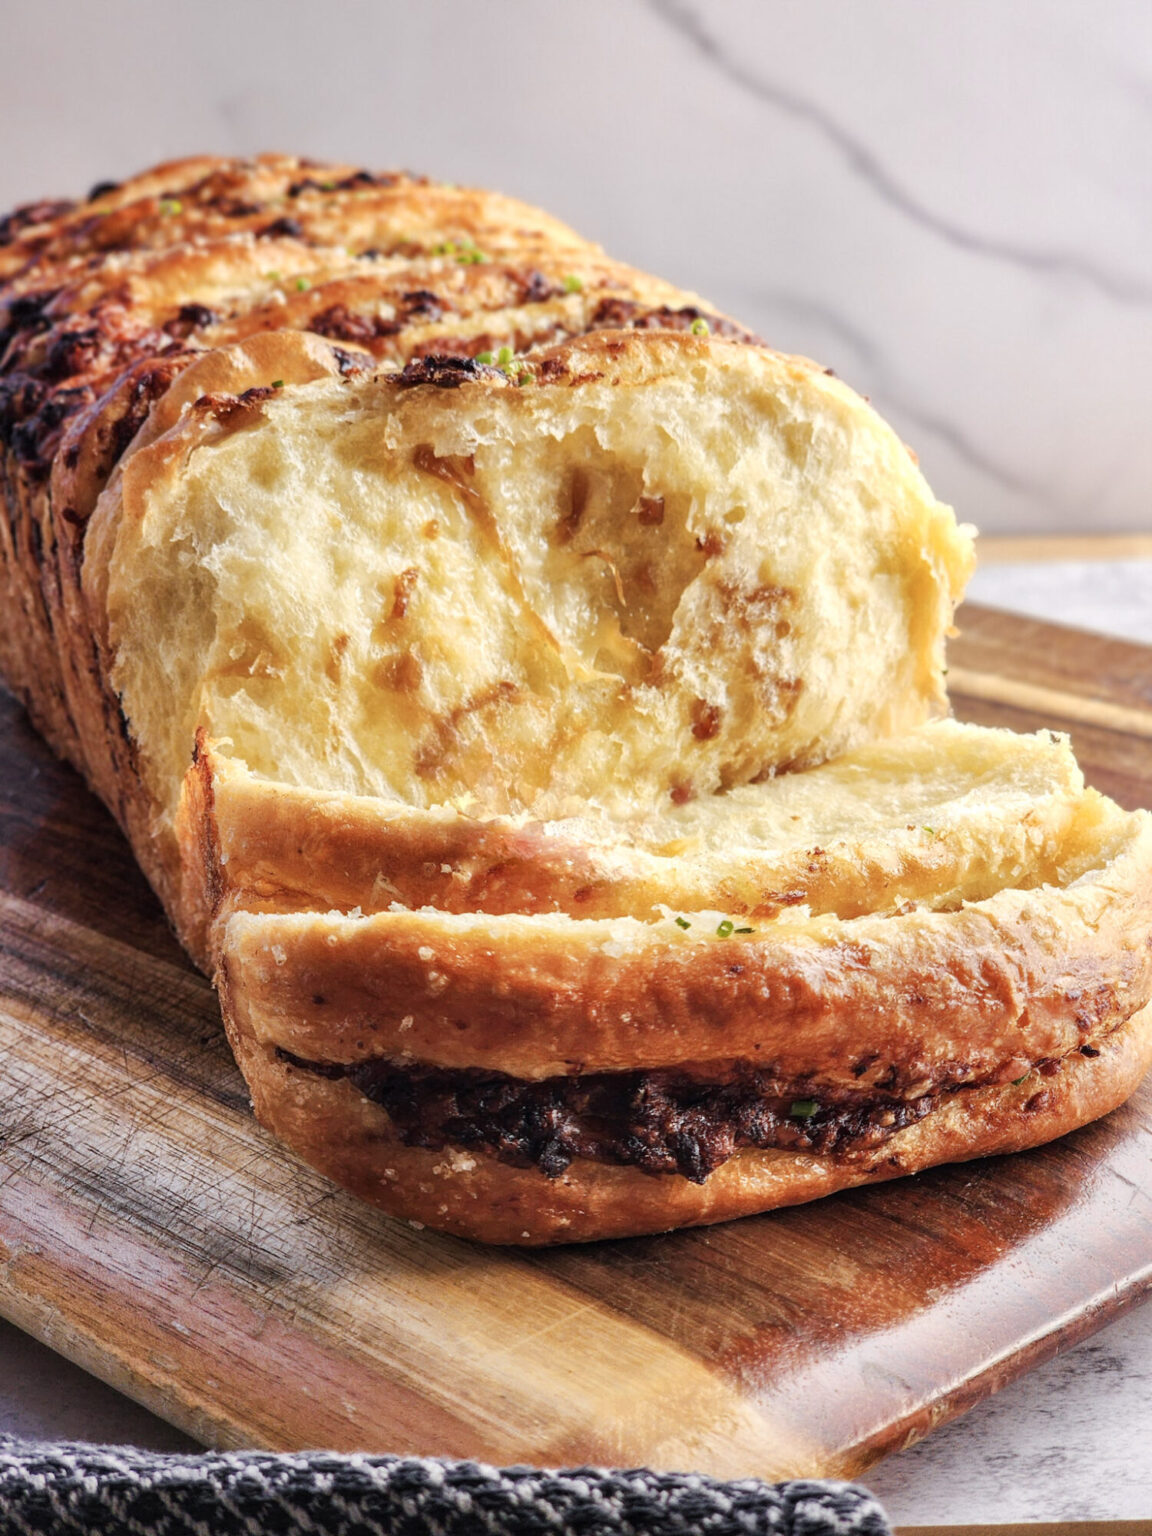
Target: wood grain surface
x=151 y=1232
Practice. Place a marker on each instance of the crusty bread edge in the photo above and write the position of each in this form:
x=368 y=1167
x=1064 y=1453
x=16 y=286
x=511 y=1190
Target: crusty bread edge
x=1004 y=982
x=340 y=1132
x=277 y=847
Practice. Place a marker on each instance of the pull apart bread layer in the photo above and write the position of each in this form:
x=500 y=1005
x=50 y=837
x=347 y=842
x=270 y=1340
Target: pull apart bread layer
x=946 y=814
x=630 y=583
x=634 y=1075
x=457 y=712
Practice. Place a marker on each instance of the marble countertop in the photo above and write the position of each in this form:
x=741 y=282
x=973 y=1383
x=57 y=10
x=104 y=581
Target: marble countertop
x=1067 y=1442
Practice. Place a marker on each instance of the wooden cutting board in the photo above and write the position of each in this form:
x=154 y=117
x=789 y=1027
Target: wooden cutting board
x=150 y=1231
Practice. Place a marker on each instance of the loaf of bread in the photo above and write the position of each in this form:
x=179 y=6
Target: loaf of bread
x=521 y=687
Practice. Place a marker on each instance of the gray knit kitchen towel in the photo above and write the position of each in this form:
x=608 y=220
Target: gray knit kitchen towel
x=108 y=1491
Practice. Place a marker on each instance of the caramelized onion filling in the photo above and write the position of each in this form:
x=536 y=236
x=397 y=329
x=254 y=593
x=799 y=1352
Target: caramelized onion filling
x=657 y=1121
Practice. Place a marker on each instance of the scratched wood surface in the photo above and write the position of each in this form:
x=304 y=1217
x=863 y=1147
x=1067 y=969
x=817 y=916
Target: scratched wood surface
x=150 y=1231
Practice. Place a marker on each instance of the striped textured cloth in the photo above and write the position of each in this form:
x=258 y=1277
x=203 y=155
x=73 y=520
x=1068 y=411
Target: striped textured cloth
x=107 y=1491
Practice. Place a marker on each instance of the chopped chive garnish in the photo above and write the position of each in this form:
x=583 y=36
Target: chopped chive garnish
x=273 y=276
x=573 y=284
x=803 y=1109
x=682 y=922
x=745 y=930
x=931 y=831
x=1016 y=1081
x=503 y=357
x=700 y=328
x=467 y=252
x=171 y=205
x=726 y=929
x=277 y=383
x=302 y=285
x=484 y=357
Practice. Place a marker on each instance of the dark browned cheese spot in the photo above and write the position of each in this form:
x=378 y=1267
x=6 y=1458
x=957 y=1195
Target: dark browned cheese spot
x=650 y=511
x=403 y=591
x=628 y=314
x=445 y=372
x=423 y=304
x=234 y=410
x=705 y=719
x=339 y=323
x=285 y=228
x=401 y=674
x=577 y=495
x=190 y=318
x=532 y=286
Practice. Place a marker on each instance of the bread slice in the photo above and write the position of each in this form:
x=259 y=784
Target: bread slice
x=947 y=814
x=1020 y=975
x=524 y=598
x=535 y=1079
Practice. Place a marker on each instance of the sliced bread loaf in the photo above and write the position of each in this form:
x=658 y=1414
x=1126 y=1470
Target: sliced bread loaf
x=518 y=684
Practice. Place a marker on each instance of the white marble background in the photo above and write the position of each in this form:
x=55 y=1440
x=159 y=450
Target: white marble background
x=952 y=205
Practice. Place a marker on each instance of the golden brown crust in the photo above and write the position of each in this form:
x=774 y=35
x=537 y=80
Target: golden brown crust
x=1000 y=809
x=1000 y=982
x=329 y=204
x=334 y=1128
